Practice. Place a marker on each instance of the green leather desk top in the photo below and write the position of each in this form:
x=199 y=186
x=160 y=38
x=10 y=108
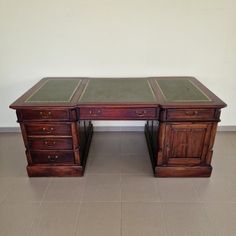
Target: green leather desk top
x=181 y=90
x=155 y=91
x=56 y=90
x=124 y=90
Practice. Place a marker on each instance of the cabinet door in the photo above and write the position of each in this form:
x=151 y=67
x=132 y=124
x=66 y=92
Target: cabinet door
x=187 y=144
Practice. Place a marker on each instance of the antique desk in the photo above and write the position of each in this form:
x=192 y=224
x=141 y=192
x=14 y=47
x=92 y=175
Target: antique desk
x=182 y=115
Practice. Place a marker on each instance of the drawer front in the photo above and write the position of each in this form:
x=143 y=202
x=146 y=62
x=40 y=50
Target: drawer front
x=48 y=129
x=50 y=143
x=51 y=157
x=45 y=114
x=190 y=114
x=118 y=113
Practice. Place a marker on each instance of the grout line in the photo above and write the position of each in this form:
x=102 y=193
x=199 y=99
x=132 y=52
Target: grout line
x=77 y=219
x=196 y=191
x=45 y=192
x=80 y=206
x=39 y=206
x=163 y=216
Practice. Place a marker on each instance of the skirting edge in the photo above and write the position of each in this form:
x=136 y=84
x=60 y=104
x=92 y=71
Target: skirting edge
x=227 y=128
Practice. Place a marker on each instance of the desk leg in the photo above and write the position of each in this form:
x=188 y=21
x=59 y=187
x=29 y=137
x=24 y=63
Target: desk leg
x=151 y=133
x=85 y=131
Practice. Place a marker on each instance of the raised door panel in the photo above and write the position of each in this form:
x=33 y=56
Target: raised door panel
x=187 y=143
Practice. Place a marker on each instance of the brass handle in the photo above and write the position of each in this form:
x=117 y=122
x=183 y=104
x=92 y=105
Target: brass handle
x=98 y=112
x=191 y=113
x=95 y=112
x=50 y=143
x=48 y=131
x=141 y=113
x=52 y=158
x=45 y=115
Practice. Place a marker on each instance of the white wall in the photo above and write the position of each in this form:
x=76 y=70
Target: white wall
x=117 y=38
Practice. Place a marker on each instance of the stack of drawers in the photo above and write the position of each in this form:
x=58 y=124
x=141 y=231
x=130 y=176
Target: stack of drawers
x=51 y=140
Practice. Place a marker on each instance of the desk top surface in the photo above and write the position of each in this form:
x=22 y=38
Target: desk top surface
x=165 y=91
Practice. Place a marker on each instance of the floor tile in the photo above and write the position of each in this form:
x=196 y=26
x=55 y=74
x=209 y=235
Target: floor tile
x=27 y=190
x=99 y=219
x=65 y=190
x=17 y=219
x=185 y=219
x=224 y=144
x=56 y=219
x=138 y=188
x=104 y=164
x=12 y=155
x=177 y=190
x=117 y=170
x=100 y=188
x=216 y=189
x=222 y=217
x=133 y=143
x=224 y=165
x=106 y=143
x=136 y=164
x=141 y=218
x=5 y=187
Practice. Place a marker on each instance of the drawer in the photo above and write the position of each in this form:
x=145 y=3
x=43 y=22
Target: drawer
x=48 y=129
x=52 y=157
x=50 y=143
x=118 y=113
x=44 y=114
x=190 y=114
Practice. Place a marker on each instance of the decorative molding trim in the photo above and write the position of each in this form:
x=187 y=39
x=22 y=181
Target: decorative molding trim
x=227 y=128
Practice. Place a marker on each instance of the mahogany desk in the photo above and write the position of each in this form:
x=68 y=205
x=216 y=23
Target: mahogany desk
x=182 y=115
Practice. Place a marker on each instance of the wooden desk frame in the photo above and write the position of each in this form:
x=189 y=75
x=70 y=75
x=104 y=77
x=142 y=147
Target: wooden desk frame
x=180 y=135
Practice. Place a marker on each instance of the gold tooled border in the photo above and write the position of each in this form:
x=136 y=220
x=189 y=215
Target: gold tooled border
x=27 y=100
x=86 y=86
x=199 y=100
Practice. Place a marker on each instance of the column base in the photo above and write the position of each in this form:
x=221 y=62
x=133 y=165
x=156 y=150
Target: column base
x=183 y=171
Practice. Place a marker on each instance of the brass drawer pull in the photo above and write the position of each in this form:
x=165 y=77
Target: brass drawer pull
x=191 y=113
x=141 y=113
x=48 y=131
x=45 y=115
x=52 y=158
x=95 y=112
x=50 y=143
x=99 y=112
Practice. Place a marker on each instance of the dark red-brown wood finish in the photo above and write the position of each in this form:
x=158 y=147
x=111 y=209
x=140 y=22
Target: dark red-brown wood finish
x=180 y=135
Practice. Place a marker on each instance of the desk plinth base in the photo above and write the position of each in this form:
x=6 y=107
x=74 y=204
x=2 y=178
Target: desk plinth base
x=55 y=171
x=179 y=171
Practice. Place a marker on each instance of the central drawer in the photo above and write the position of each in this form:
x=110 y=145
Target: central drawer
x=117 y=113
x=50 y=143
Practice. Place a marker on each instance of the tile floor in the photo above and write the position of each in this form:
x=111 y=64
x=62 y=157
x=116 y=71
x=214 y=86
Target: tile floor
x=118 y=194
